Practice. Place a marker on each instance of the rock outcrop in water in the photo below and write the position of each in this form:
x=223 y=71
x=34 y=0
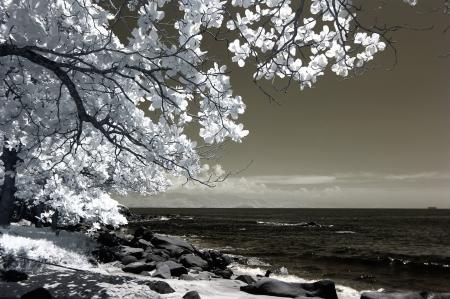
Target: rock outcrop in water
x=273 y=287
x=404 y=295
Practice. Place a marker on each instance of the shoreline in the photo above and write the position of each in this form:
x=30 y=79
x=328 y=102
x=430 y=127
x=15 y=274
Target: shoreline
x=362 y=250
x=113 y=279
x=110 y=279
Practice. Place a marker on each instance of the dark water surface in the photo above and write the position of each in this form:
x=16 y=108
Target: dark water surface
x=362 y=248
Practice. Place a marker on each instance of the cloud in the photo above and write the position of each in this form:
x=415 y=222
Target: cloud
x=414 y=176
x=293 y=179
x=357 y=190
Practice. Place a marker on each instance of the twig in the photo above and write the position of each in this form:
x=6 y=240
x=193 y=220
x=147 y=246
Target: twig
x=48 y=263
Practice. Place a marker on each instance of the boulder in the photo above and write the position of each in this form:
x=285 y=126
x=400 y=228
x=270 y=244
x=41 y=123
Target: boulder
x=191 y=260
x=128 y=259
x=127 y=250
x=139 y=232
x=201 y=276
x=105 y=254
x=92 y=261
x=110 y=239
x=165 y=242
x=216 y=259
x=176 y=269
x=322 y=288
x=39 y=293
x=246 y=278
x=272 y=287
x=14 y=276
x=151 y=257
x=187 y=277
x=143 y=233
x=227 y=273
x=404 y=295
x=160 y=287
x=174 y=251
x=191 y=295
x=144 y=243
x=162 y=271
x=161 y=252
x=196 y=269
x=138 y=267
x=124 y=211
x=382 y=295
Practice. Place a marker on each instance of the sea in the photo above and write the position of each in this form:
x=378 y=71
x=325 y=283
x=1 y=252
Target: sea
x=365 y=249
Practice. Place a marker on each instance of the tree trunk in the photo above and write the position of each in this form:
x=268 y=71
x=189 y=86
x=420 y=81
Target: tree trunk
x=8 y=189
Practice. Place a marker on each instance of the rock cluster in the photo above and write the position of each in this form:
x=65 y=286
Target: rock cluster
x=160 y=256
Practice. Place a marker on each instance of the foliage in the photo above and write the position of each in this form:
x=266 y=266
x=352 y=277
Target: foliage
x=93 y=114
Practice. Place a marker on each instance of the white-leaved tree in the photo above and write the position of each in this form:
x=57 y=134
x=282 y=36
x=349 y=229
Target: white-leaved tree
x=96 y=96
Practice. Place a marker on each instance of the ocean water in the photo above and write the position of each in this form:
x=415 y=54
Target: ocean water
x=393 y=249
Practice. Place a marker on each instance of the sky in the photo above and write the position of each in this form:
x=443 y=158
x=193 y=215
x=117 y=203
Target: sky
x=377 y=140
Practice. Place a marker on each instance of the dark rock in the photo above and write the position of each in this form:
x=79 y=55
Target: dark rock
x=151 y=257
x=186 y=277
x=161 y=252
x=14 y=276
x=191 y=295
x=92 y=261
x=138 y=267
x=404 y=295
x=176 y=269
x=160 y=287
x=128 y=259
x=201 y=276
x=246 y=278
x=39 y=293
x=196 y=269
x=227 y=273
x=105 y=254
x=204 y=276
x=166 y=242
x=139 y=232
x=127 y=250
x=272 y=287
x=109 y=239
x=438 y=296
x=174 y=251
x=381 y=295
x=162 y=271
x=191 y=260
x=216 y=260
x=144 y=243
x=143 y=233
x=124 y=211
x=322 y=288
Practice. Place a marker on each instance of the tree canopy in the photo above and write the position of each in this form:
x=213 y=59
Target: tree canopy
x=88 y=113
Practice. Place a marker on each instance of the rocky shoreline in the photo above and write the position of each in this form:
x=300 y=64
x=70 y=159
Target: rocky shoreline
x=156 y=261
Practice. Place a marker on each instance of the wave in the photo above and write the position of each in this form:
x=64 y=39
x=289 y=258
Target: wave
x=409 y=263
x=248 y=261
x=301 y=224
x=170 y=217
x=345 y=232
